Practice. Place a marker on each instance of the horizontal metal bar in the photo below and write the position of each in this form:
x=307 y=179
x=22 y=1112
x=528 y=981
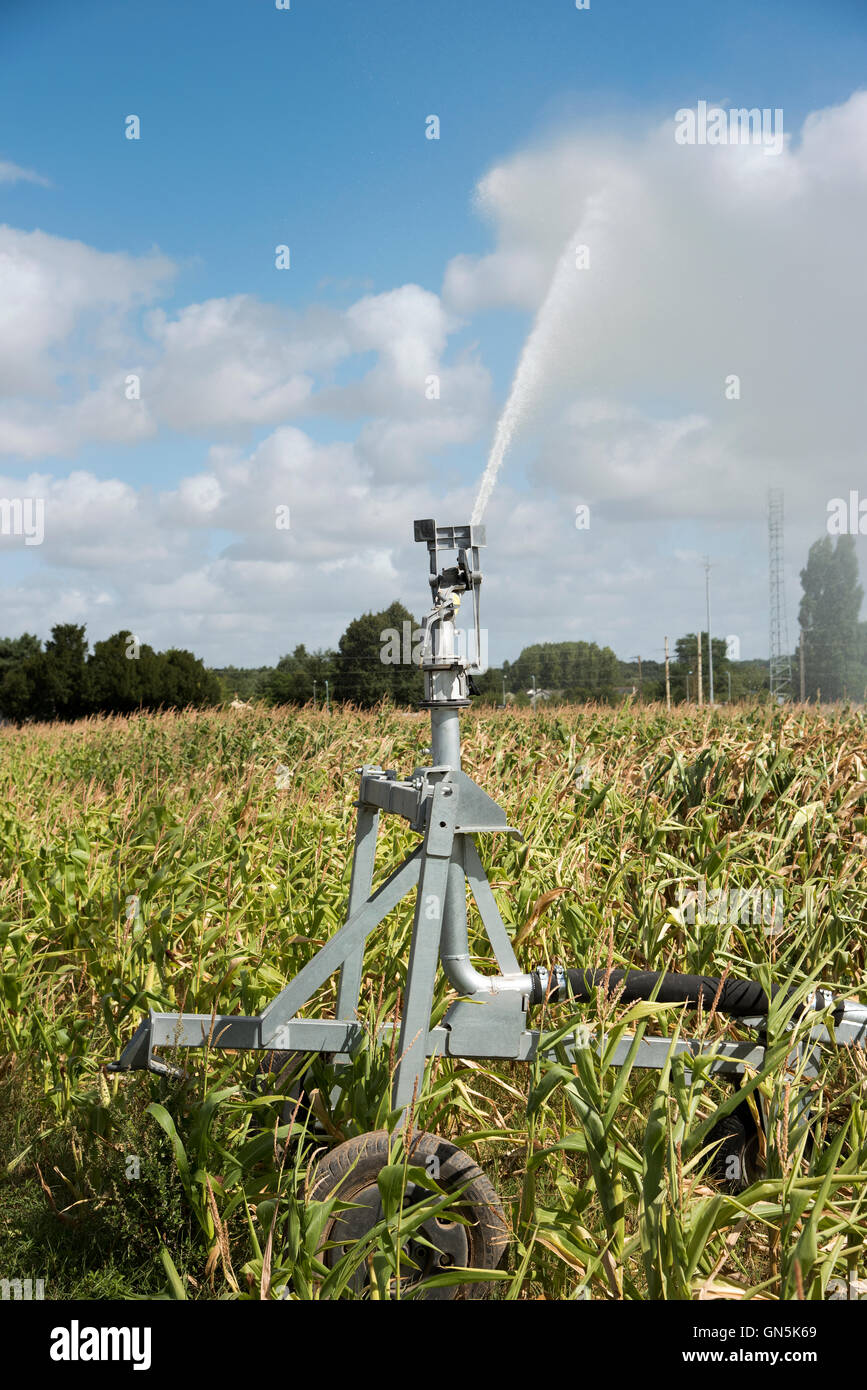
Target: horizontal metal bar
x=393 y=797
x=240 y=1033
x=346 y=1035
x=652 y=1052
x=317 y=1035
x=232 y=1031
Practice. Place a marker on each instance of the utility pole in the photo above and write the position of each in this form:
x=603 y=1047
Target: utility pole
x=801 y=656
x=314 y=694
x=504 y=692
x=779 y=665
x=327 y=705
x=700 y=691
x=709 y=642
x=667 y=681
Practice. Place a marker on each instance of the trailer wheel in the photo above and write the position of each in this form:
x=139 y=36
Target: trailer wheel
x=288 y=1074
x=349 y=1172
x=736 y=1163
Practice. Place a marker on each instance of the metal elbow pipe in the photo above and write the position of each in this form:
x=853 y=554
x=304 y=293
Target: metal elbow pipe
x=466 y=979
x=454 y=946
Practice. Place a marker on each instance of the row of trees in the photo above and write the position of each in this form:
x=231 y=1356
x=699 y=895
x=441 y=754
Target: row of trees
x=578 y=670
x=570 y=671
x=356 y=672
x=835 y=656
x=368 y=666
x=63 y=680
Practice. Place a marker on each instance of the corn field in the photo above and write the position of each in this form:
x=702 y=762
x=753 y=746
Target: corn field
x=196 y=861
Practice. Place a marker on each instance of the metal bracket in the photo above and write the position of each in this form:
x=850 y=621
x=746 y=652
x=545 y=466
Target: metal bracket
x=486 y=1024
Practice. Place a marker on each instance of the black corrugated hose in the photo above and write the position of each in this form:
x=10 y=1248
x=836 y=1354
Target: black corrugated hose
x=740 y=998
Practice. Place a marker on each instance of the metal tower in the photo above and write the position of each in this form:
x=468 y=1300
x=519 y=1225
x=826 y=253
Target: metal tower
x=780 y=664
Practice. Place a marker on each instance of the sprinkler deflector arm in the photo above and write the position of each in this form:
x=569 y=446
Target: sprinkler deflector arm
x=448 y=810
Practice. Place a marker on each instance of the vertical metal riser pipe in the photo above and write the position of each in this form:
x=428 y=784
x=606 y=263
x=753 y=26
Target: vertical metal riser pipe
x=454 y=945
x=446 y=682
x=454 y=942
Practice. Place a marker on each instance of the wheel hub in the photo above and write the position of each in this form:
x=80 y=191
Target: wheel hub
x=434 y=1247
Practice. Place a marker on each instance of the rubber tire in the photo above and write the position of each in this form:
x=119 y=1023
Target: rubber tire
x=352 y=1167
x=740 y=1141
x=276 y=1072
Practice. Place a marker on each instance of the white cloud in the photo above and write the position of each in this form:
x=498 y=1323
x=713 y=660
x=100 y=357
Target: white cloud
x=13 y=173
x=52 y=289
x=704 y=262
x=231 y=363
x=218 y=368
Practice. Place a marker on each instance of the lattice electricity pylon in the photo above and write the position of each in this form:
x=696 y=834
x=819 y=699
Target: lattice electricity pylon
x=780 y=664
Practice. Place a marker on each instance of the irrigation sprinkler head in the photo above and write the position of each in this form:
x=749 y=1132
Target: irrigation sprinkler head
x=447 y=669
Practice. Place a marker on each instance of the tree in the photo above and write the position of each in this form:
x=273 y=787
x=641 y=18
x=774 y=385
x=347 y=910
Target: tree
x=577 y=670
x=17 y=689
x=61 y=674
x=244 y=681
x=828 y=616
x=292 y=680
x=374 y=659
x=18 y=675
x=686 y=660
x=15 y=650
x=182 y=679
x=123 y=675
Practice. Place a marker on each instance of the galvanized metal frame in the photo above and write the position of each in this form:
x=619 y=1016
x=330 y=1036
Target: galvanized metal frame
x=448 y=810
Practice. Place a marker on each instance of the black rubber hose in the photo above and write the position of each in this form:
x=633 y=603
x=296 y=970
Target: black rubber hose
x=741 y=998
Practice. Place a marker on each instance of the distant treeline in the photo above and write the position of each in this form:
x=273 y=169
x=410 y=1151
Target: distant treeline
x=376 y=658
x=63 y=680
x=563 y=671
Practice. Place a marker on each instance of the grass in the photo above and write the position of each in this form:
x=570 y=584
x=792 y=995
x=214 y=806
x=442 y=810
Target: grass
x=155 y=863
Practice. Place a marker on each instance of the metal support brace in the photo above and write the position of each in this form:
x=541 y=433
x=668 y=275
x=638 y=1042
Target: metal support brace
x=488 y=910
x=344 y=943
x=360 y=885
x=447 y=808
x=425 y=947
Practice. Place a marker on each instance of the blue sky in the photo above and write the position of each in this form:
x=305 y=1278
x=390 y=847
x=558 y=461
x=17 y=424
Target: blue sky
x=306 y=127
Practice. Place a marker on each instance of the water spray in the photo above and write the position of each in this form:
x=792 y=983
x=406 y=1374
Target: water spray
x=524 y=382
